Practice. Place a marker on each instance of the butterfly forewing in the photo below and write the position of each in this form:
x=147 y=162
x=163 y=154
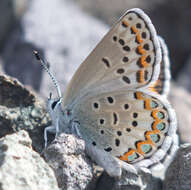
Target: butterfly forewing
x=162 y=85
x=128 y=57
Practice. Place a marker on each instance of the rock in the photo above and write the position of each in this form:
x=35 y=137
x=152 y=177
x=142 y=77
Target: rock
x=19 y=60
x=184 y=76
x=72 y=168
x=21 y=167
x=21 y=109
x=145 y=181
x=178 y=174
x=11 y=11
x=181 y=102
x=13 y=93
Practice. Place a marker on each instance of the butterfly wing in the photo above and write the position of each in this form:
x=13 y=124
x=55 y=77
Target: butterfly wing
x=162 y=85
x=129 y=56
x=130 y=125
x=111 y=99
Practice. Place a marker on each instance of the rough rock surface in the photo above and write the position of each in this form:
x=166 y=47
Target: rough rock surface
x=21 y=109
x=184 y=76
x=128 y=181
x=73 y=170
x=21 y=167
x=71 y=166
x=181 y=102
x=178 y=174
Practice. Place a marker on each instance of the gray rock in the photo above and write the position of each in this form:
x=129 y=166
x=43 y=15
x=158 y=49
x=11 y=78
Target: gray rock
x=11 y=11
x=128 y=181
x=21 y=167
x=181 y=102
x=72 y=168
x=184 y=76
x=19 y=61
x=21 y=109
x=178 y=174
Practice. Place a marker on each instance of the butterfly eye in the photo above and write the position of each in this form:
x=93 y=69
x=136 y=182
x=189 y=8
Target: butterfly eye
x=54 y=104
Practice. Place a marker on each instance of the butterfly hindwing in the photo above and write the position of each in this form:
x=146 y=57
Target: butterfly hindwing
x=130 y=125
x=128 y=57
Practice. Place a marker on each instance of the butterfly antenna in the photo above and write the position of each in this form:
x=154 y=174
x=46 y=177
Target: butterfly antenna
x=46 y=67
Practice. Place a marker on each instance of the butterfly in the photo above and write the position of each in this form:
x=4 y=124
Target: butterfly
x=117 y=99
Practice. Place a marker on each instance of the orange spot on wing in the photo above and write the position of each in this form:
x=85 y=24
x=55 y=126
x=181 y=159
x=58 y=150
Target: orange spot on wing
x=148 y=104
x=143 y=62
x=157 y=120
x=141 y=50
x=134 y=29
x=139 y=150
x=139 y=39
x=139 y=95
x=149 y=133
x=141 y=73
x=125 y=156
x=125 y=23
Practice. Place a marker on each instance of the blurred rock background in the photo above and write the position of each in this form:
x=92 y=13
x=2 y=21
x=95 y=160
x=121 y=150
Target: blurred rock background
x=66 y=31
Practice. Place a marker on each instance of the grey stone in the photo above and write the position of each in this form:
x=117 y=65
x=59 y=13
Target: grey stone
x=21 y=109
x=72 y=168
x=11 y=11
x=178 y=174
x=184 y=76
x=128 y=181
x=21 y=167
x=181 y=102
x=19 y=60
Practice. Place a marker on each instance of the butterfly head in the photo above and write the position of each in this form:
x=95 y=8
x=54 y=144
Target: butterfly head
x=54 y=106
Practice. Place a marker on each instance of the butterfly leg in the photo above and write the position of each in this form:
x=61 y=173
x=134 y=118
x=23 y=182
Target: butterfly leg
x=75 y=129
x=50 y=129
x=57 y=127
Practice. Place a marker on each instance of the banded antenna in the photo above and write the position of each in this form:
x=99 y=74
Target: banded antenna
x=45 y=66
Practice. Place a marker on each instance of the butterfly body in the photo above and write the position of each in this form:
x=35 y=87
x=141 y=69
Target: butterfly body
x=116 y=100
